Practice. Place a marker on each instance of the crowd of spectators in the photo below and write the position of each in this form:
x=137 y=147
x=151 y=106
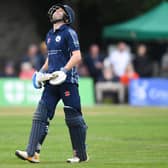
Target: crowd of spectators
x=110 y=72
x=113 y=72
x=31 y=61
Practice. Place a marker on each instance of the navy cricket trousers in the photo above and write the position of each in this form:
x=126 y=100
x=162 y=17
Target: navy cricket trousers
x=68 y=92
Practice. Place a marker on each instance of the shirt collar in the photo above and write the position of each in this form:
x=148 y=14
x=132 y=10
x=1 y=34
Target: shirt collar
x=60 y=29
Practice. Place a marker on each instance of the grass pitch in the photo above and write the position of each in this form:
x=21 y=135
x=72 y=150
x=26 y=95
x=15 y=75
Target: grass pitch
x=118 y=137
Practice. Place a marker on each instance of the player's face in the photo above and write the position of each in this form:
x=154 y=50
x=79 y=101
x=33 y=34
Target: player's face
x=58 y=14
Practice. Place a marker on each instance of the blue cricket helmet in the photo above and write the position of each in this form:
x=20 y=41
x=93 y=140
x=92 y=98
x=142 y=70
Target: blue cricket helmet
x=69 y=17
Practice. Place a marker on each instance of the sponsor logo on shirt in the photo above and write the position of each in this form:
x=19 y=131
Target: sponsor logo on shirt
x=58 y=38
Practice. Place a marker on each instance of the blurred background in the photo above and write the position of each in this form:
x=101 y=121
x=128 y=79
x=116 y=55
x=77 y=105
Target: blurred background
x=124 y=45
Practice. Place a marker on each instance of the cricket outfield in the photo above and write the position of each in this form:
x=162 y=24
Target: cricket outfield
x=118 y=137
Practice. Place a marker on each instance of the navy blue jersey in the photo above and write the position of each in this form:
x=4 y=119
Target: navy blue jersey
x=60 y=45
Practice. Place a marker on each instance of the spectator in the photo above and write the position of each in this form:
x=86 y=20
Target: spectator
x=109 y=84
x=164 y=65
x=9 y=70
x=33 y=57
x=93 y=62
x=120 y=58
x=27 y=71
x=108 y=75
x=82 y=70
x=128 y=75
x=142 y=64
x=43 y=52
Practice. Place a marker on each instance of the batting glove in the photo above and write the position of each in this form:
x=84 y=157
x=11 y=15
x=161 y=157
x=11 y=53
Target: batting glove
x=58 y=77
x=64 y=70
x=39 y=78
x=35 y=81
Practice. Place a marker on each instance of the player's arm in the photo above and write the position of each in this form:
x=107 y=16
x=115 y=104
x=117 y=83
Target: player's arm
x=59 y=77
x=73 y=45
x=74 y=60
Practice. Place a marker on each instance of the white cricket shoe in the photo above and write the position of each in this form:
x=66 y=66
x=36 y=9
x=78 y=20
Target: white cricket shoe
x=24 y=156
x=75 y=159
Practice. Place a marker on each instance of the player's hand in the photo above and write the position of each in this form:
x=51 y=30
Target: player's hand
x=39 y=78
x=58 y=77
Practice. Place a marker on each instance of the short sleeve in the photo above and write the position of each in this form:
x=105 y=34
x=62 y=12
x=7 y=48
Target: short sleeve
x=73 y=42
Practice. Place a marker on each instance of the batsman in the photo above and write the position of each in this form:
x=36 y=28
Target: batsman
x=59 y=78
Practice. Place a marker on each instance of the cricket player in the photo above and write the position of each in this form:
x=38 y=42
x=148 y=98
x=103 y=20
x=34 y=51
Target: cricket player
x=60 y=80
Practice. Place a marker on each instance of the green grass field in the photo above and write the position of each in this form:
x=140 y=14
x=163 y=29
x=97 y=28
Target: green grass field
x=118 y=137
